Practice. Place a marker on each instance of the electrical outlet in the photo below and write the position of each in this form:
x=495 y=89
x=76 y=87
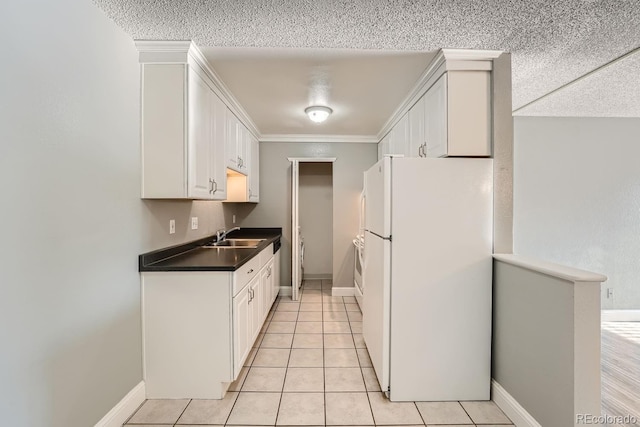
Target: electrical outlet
x=609 y=292
x=172 y=226
x=194 y=223
x=233 y=219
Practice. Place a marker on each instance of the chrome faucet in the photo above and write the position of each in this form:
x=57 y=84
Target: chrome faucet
x=222 y=234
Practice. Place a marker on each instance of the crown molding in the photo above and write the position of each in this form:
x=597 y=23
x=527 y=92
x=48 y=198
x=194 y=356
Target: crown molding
x=445 y=60
x=311 y=138
x=180 y=52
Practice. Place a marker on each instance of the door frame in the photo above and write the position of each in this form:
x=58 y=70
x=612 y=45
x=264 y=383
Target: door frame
x=295 y=216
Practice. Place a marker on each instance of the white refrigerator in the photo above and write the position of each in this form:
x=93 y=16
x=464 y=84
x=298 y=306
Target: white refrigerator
x=427 y=277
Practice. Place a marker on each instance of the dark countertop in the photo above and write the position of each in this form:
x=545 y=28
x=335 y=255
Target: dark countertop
x=191 y=256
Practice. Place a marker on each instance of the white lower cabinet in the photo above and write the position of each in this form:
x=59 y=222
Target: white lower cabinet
x=199 y=326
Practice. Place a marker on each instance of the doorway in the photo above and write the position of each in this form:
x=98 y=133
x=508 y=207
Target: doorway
x=311 y=220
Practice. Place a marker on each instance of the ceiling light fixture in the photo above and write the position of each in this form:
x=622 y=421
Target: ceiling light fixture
x=318 y=113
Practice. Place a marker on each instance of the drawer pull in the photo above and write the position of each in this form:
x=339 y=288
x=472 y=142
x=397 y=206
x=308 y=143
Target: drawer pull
x=250 y=271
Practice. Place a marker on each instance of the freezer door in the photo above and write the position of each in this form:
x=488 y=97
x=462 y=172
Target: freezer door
x=378 y=198
x=376 y=304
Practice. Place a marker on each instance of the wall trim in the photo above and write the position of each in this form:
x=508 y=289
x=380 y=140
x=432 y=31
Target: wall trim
x=309 y=138
x=285 y=291
x=620 y=316
x=511 y=407
x=343 y=292
x=120 y=413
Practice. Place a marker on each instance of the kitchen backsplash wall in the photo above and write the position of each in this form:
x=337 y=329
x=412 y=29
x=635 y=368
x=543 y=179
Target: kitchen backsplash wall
x=211 y=215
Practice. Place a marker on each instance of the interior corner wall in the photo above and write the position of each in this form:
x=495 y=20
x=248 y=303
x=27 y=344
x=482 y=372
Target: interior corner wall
x=274 y=209
x=577 y=198
x=315 y=206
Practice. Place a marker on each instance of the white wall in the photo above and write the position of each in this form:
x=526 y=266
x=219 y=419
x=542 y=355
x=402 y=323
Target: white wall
x=577 y=198
x=72 y=220
x=274 y=209
x=315 y=204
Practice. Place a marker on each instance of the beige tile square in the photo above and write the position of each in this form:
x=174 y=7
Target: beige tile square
x=485 y=412
x=443 y=413
x=338 y=341
x=335 y=316
x=312 y=284
x=333 y=306
x=386 y=412
x=331 y=298
x=345 y=409
x=363 y=357
x=209 y=411
x=309 y=327
x=310 y=298
x=337 y=328
x=326 y=291
x=159 y=411
x=304 y=379
x=370 y=379
x=352 y=306
x=340 y=358
x=298 y=409
x=343 y=379
x=354 y=316
x=356 y=327
x=276 y=341
x=289 y=306
x=312 y=292
x=310 y=316
x=264 y=379
x=285 y=316
x=311 y=306
x=252 y=354
x=359 y=341
x=349 y=299
x=281 y=327
x=237 y=384
x=255 y=409
x=307 y=341
x=306 y=358
x=272 y=358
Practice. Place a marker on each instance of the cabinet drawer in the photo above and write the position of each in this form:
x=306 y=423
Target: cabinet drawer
x=244 y=274
x=266 y=255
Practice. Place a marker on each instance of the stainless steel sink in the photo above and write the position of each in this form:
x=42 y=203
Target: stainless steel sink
x=236 y=243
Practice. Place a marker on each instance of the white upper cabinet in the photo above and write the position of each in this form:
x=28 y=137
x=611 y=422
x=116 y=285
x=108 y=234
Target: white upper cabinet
x=452 y=114
x=254 y=172
x=190 y=135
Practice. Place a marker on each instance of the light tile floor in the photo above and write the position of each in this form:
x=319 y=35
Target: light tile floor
x=309 y=366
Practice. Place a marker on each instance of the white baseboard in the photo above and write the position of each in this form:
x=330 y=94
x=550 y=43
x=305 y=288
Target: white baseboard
x=125 y=408
x=343 y=292
x=285 y=291
x=620 y=316
x=511 y=407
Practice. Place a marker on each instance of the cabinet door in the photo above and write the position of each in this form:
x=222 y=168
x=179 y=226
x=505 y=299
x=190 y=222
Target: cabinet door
x=436 y=118
x=218 y=148
x=242 y=332
x=271 y=279
x=254 y=172
x=233 y=130
x=257 y=306
x=199 y=137
x=400 y=137
x=416 y=129
x=244 y=143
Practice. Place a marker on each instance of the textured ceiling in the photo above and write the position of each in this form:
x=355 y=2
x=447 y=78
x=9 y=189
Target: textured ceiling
x=552 y=42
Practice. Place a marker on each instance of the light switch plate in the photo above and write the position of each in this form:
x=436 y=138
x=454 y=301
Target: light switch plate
x=194 y=223
x=172 y=226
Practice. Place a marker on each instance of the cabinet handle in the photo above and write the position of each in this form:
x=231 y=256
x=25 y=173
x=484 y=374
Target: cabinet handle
x=250 y=271
x=215 y=189
x=250 y=193
x=211 y=186
x=250 y=294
